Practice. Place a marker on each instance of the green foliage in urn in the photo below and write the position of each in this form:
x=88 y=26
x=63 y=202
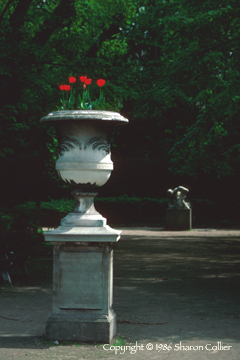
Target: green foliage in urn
x=78 y=97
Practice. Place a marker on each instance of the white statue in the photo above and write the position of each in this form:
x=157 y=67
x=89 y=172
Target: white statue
x=177 y=197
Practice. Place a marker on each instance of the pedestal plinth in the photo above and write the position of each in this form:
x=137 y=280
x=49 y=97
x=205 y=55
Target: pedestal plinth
x=82 y=279
x=178 y=219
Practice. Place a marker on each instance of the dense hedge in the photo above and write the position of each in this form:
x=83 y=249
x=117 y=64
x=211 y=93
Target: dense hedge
x=29 y=219
x=23 y=223
x=172 y=65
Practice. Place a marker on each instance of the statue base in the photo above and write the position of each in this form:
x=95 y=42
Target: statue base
x=178 y=219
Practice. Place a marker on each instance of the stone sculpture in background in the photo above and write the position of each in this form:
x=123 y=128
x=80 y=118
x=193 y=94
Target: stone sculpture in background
x=178 y=196
x=179 y=212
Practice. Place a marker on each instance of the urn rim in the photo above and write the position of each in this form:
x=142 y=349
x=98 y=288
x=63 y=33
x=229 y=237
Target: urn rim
x=80 y=115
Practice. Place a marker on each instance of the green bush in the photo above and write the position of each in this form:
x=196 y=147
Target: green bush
x=131 y=211
x=20 y=225
x=23 y=223
x=53 y=211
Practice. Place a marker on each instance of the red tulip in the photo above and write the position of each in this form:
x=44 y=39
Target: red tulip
x=100 y=82
x=84 y=86
x=72 y=79
x=83 y=78
x=65 y=87
x=88 y=81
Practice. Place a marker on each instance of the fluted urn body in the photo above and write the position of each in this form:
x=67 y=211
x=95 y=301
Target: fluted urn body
x=84 y=149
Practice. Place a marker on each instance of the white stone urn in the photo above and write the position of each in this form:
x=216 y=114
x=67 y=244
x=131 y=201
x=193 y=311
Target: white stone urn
x=84 y=158
x=82 y=244
x=84 y=149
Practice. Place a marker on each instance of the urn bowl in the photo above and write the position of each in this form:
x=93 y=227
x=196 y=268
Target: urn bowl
x=84 y=149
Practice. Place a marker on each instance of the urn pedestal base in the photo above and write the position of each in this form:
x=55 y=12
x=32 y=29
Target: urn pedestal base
x=82 y=283
x=81 y=328
x=178 y=219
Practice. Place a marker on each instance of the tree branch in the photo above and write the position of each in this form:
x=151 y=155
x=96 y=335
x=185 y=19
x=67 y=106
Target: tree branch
x=106 y=34
x=17 y=18
x=64 y=11
x=220 y=44
x=5 y=9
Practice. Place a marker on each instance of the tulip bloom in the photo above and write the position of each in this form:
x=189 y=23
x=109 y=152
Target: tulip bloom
x=88 y=81
x=65 y=87
x=83 y=78
x=72 y=79
x=100 y=82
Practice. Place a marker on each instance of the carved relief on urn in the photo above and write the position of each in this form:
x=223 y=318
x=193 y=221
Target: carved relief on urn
x=84 y=150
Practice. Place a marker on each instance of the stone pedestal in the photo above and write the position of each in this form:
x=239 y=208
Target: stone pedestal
x=178 y=219
x=82 y=276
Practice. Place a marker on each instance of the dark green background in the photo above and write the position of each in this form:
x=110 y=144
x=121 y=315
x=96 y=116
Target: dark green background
x=174 y=65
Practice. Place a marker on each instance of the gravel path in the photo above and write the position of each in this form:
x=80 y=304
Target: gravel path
x=176 y=295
